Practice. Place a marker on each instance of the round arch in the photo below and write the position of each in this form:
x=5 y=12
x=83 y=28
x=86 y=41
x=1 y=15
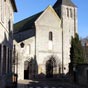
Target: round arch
x=51 y=65
x=56 y=58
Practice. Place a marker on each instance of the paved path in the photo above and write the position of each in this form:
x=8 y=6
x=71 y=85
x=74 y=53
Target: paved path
x=47 y=83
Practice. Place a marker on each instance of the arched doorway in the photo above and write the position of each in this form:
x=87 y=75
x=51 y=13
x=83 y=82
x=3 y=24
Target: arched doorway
x=50 y=67
x=26 y=70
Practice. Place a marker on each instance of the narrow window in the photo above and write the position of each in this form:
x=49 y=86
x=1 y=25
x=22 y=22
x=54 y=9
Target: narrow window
x=67 y=12
x=9 y=26
x=50 y=36
x=71 y=13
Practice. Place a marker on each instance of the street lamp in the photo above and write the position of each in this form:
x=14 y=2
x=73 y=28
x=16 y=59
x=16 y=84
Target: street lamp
x=22 y=44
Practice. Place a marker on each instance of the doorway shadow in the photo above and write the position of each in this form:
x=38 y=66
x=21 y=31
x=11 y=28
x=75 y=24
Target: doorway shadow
x=30 y=69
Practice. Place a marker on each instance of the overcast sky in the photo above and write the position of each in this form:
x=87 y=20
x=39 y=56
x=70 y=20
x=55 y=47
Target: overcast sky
x=27 y=8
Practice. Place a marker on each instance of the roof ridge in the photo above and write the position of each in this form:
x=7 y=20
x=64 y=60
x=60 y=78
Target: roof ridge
x=27 y=18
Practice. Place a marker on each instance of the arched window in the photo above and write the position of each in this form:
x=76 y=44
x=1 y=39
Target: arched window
x=50 y=36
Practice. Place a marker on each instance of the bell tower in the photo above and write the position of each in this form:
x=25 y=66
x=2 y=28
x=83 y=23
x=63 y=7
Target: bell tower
x=67 y=11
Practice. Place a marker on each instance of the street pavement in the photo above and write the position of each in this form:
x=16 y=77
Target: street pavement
x=48 y=83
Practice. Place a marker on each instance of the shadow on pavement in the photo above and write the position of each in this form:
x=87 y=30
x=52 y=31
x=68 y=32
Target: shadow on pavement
x=60 y=82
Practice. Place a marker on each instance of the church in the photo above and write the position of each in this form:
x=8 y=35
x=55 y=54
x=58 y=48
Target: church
x=42 y=42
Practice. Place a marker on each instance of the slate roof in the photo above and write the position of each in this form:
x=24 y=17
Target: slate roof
x=26 y=24
x=21 y=36
x=64 y=2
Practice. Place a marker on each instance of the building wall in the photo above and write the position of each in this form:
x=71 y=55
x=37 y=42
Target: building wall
x=6 y=38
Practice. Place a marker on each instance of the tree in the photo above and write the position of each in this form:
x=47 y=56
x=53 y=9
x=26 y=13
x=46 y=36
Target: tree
x=76 y=52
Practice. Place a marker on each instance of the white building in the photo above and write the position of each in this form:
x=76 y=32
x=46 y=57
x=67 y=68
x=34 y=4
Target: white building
x=7 y=9
x=42 y=41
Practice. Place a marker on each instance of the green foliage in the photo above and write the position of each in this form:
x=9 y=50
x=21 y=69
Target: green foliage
x=76 y=51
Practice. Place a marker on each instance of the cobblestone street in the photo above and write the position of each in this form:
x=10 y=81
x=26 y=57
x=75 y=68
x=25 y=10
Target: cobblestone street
x=47 y=83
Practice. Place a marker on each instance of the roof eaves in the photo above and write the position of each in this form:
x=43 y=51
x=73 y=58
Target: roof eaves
x=14 y=5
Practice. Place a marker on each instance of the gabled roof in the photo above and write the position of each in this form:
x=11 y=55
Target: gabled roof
x=26 y=24
x=64 y=2
x=14 y=5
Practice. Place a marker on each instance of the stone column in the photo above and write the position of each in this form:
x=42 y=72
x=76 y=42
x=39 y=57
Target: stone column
x=7 y=60
x=1 y=59
x=10 y=61
x=4 y=60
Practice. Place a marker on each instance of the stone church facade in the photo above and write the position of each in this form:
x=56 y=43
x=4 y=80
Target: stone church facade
x=42 y=41
x=7 y=9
